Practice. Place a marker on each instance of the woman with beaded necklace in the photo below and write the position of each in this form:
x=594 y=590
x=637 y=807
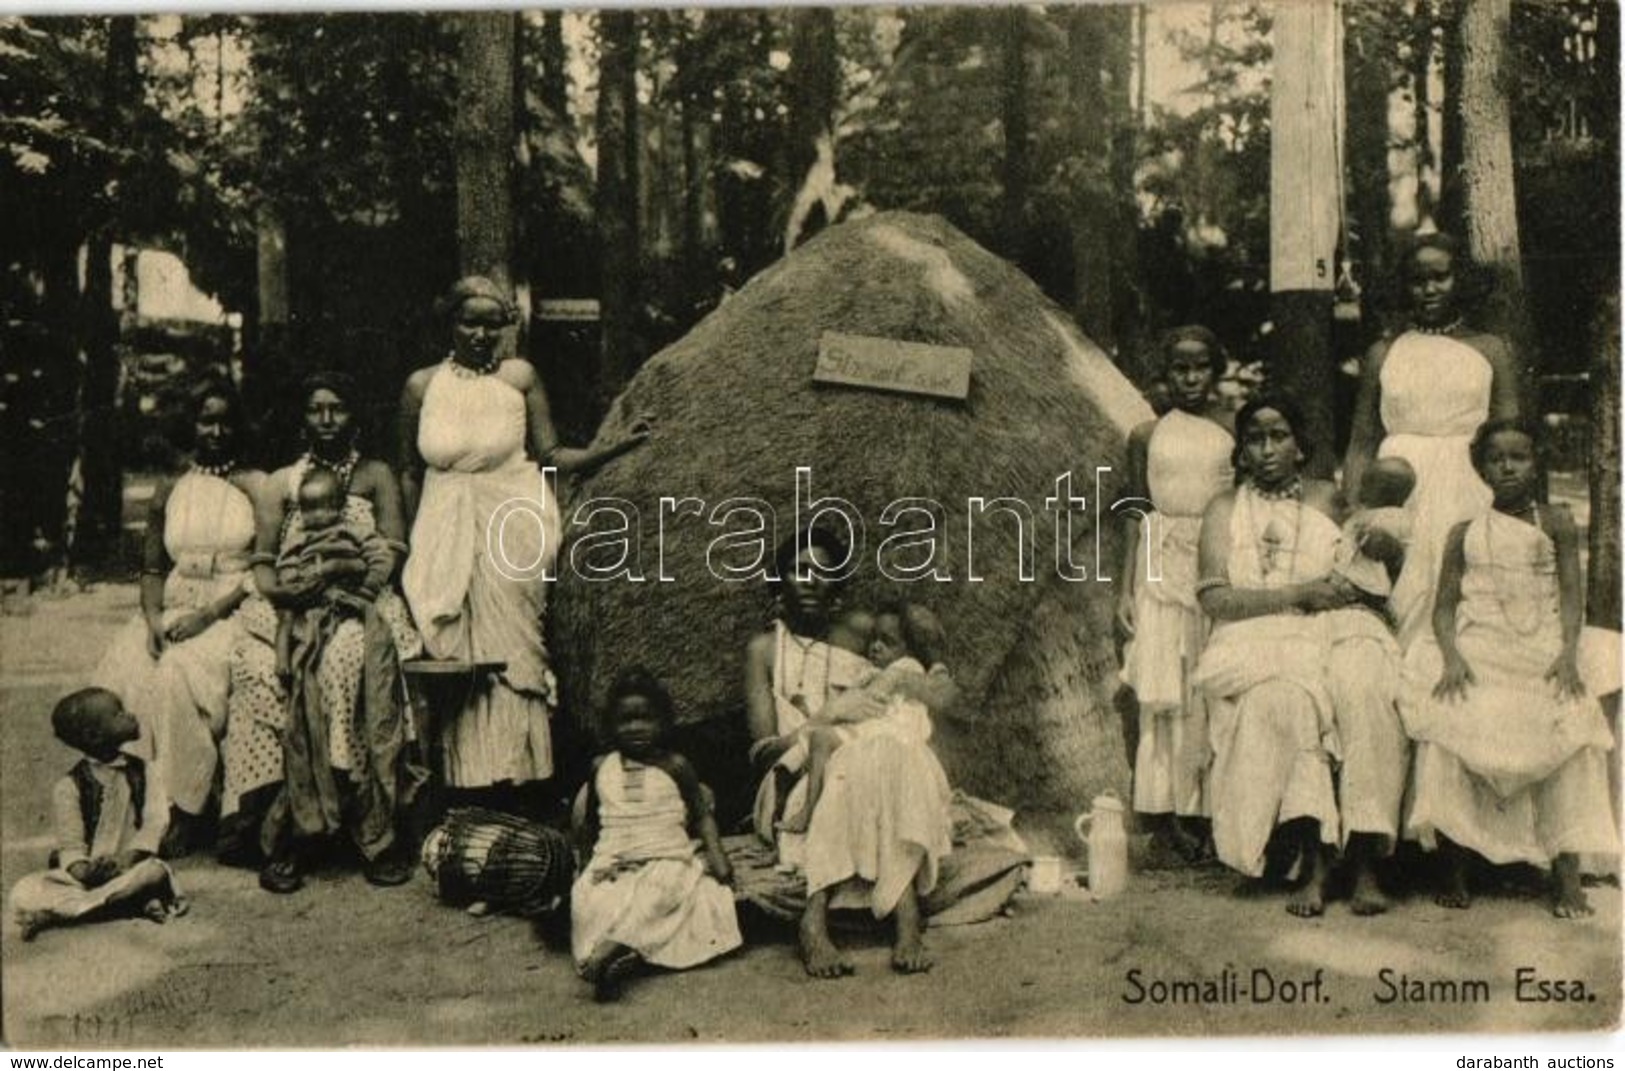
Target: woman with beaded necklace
x=1422 y=395
x=1264 y=555
x=366 y=725
x=170 y=664
x=465 y=426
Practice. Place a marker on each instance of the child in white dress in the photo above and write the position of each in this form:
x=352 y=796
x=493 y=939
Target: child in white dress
x=1510 y=761
x=654 y=889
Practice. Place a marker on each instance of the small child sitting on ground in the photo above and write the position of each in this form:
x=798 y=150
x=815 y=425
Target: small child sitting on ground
x=906 y=640
x=653 y=889
x=1374 y=537
x=108 y=818
x=331 y=564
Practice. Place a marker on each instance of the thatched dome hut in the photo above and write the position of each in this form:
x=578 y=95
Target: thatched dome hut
x=736 y=411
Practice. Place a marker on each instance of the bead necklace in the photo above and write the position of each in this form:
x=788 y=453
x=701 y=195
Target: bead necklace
x=343 y=469
x=221 y=470
x=465 y=371
x=1269 y=548
x=1281 y=494
x=805 y=647
x=1535 y=623
x=1443 y=329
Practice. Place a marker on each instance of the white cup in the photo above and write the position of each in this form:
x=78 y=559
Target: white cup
x=1044 y=874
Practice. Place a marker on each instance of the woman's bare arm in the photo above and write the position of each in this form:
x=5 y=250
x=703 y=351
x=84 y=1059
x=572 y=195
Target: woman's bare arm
x=407 y=459
x=1366 y=432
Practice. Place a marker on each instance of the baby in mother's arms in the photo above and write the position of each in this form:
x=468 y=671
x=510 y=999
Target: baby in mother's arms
x=904 y=640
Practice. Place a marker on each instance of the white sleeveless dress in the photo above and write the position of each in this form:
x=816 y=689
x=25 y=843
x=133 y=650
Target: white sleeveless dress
x=1435 y=394
x=181 y=698
x=1187 y=465
x=1512 y=771
x=486 y=536
x=646 y=886
x=1273 y=729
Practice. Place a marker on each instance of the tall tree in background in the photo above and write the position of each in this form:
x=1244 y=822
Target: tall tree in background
x=1603 y=572
x=100 y=470
x=617 y=200
x=1017 y=176
x=810 y=152
x=483 y=129
x=1098 y=50
x=1489 y=193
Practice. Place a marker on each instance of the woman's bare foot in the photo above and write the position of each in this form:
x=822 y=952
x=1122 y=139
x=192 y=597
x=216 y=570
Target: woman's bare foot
x=1569 y=898
x=596 y=965
x=1309 y=901
x=1454 y=895
x=1367 y=898
x=606 y=988
x=908 y=954
x=818 y=953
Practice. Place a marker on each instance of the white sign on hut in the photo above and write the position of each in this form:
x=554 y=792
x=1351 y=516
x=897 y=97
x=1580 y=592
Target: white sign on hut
x=888 y=364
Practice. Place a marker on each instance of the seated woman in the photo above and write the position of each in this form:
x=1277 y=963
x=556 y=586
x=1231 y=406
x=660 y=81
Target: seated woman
x=171 y=665
x=278 y=779
x=882 y=826
x=1283 y=685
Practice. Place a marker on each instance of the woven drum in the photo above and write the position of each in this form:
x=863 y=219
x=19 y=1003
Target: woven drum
x=513 y=866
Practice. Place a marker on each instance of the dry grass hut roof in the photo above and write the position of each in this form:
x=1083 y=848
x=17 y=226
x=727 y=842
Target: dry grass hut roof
x=736 y=411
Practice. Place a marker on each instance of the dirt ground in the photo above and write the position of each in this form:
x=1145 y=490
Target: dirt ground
x=343 y=964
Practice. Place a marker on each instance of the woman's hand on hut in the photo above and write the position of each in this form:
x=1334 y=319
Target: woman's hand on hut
x=1455 y=680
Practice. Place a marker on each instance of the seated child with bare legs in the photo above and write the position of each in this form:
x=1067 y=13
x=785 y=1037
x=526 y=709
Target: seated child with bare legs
x=332 y=565
x=108 y=818
x=906 y=639
x=654 y=889
x=1511 y=755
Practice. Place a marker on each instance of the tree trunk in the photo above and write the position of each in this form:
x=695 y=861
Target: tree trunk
x=555 y=81
x=617 y=207
x=1303 y=216
x=1098 y=101
x=693 y=208
x=1012 y=23
x=1452 y=189
x=1421 y=79
x=1368 y=137
x=814 y=83
x=1489 y=194
x=101 y=472
x=484 y=136
x=1603 y=571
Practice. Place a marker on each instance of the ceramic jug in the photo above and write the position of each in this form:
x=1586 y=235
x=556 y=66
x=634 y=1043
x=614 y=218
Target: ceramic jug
x=1103 y=833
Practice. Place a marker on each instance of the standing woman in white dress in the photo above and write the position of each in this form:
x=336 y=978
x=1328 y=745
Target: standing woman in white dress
x=171 y=665
x=1178 y=462
x=466 y=424
x=1422 y=395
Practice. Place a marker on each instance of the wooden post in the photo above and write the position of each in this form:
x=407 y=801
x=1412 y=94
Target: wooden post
x=1305 y=130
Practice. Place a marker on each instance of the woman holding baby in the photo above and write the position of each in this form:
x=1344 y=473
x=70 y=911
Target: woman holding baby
x=882 y=826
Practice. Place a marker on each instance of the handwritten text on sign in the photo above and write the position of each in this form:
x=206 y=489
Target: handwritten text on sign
x=886 y=364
